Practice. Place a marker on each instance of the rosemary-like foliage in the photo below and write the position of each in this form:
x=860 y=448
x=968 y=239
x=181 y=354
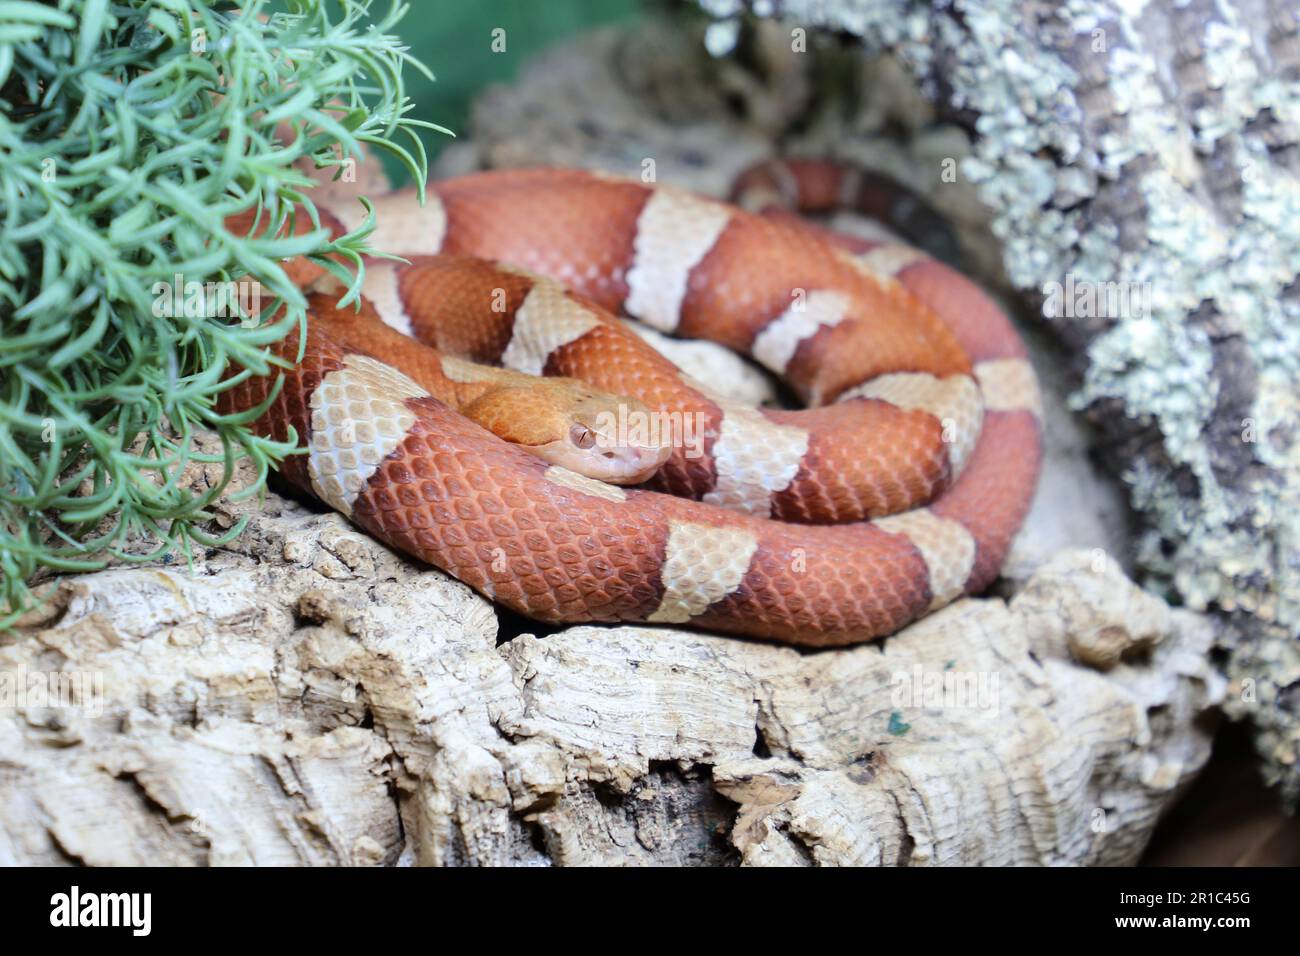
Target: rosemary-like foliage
x=129 y=131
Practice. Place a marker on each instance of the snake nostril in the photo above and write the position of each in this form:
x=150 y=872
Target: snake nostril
x=609 y=454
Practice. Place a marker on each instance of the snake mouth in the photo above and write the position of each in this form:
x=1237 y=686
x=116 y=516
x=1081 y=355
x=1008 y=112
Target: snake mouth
x=629 y=464
x=624 y=464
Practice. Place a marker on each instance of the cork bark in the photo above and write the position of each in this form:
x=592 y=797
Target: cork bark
x=309 y=697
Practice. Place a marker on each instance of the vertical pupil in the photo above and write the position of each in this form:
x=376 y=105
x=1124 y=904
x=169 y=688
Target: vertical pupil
x=581 y=436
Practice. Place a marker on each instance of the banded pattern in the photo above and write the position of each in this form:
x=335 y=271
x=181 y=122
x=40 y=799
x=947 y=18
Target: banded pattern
x=906 y=451
x=899 y=492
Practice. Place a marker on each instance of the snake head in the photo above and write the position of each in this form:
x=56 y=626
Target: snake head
x=608 y=437
x=612 y=438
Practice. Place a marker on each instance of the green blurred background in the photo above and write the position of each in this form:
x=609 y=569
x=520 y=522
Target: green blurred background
x=453 y=38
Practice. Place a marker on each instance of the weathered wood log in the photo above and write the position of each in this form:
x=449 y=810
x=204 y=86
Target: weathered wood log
x=310 y=697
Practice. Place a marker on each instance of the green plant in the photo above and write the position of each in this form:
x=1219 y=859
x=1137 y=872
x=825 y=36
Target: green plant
x=129 y=132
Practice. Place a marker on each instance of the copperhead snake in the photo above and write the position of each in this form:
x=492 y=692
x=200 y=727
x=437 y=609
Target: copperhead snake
x=896 y=491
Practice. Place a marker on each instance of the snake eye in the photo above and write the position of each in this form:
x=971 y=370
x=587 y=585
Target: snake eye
x=581 y=435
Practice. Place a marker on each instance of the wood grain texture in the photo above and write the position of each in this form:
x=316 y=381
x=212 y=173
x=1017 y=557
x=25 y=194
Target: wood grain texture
x=310 y=697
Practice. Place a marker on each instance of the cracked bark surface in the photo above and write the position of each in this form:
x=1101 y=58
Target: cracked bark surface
x=310 y=697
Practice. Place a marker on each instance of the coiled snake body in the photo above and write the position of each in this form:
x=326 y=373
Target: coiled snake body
x=897 y=491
